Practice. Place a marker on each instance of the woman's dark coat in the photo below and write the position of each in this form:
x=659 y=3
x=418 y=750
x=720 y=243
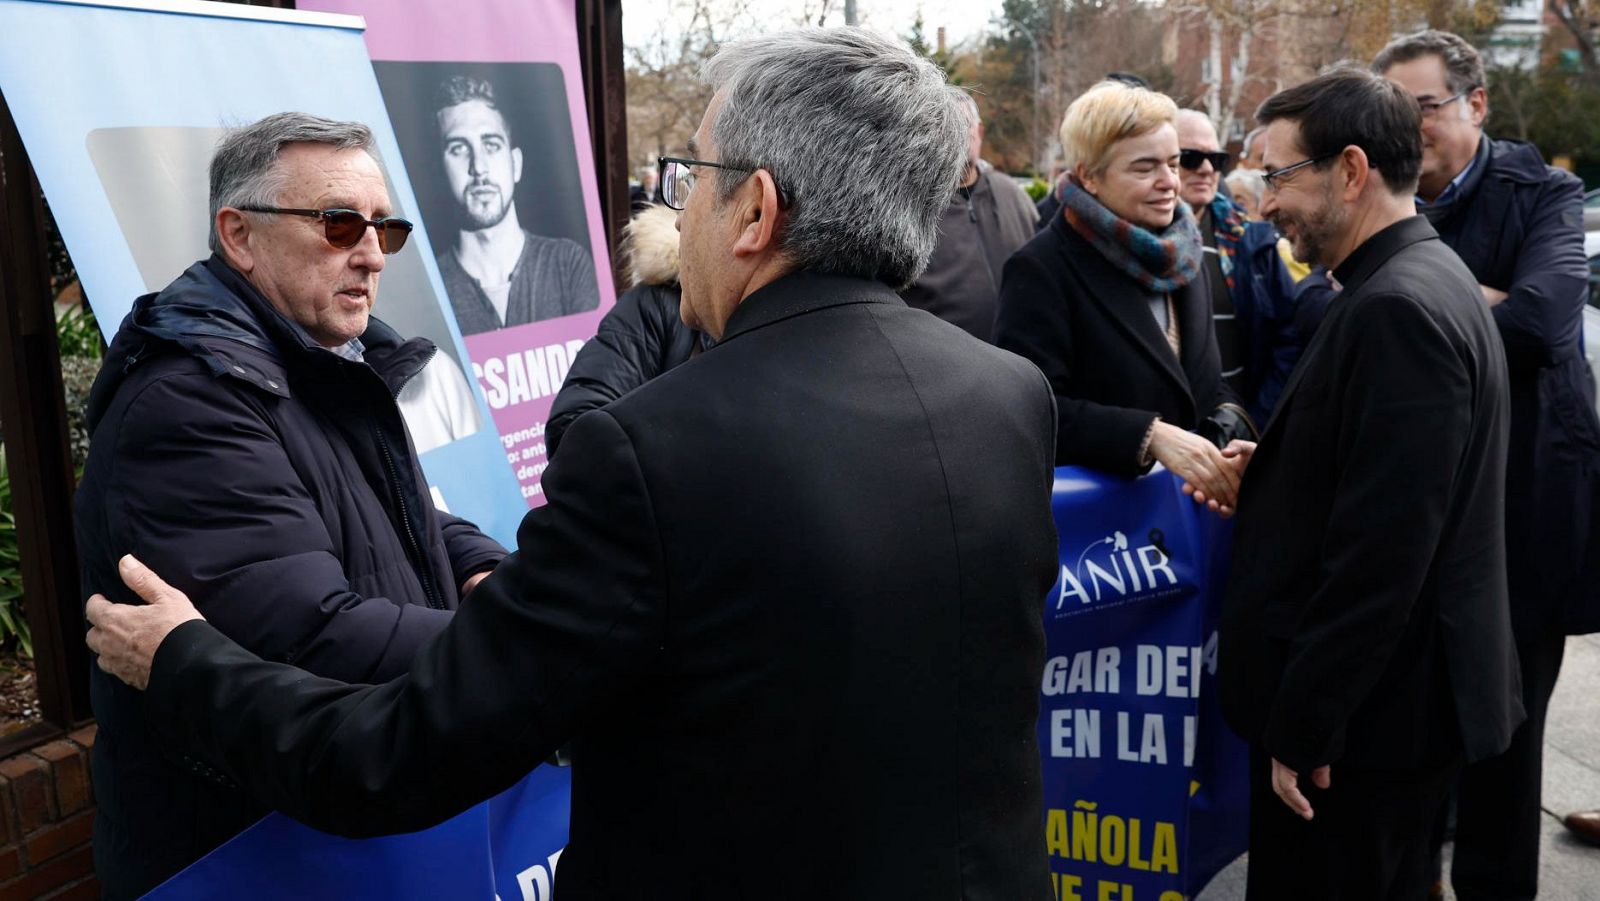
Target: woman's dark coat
x=639 y=338
x=1087 y=325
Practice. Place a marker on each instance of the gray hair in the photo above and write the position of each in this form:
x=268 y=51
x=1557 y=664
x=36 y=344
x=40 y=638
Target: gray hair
x=1462 y=65
x=245 y=170
x=1247 y=181
x=1196 y=116
x=1251 y=138
x=862 y=136
x=970 y=104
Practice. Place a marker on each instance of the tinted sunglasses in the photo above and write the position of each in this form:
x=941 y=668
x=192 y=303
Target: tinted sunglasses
x=345 y=228
x=1191 y=159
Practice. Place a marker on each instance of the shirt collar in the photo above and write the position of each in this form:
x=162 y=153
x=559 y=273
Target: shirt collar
x=351 y=350
x=1453 y=189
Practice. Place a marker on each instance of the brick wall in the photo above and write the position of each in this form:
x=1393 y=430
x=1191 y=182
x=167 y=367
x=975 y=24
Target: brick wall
x=46 y=819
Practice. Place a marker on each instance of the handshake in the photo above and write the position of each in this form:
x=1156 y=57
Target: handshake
x=1210 y=476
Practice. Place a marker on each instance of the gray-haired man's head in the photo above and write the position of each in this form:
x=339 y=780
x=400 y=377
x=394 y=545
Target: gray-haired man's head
x=245 y=170
x=862 y=141
x=268 y=183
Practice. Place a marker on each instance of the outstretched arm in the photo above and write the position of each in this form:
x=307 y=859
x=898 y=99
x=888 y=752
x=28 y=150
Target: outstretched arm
x=556 y=631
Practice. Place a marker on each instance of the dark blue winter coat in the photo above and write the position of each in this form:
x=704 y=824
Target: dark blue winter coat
x=273 y=482
x=1263 y=296
x=1519 y=228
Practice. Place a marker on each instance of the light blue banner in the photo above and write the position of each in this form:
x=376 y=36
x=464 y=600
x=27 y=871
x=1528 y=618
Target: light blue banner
x=119 y=110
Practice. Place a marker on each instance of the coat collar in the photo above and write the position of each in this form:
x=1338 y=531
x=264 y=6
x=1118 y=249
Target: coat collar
x=1515 y=161
x=1376 y=250
x=214 y=314
x=1352 y=274
x=803 y=292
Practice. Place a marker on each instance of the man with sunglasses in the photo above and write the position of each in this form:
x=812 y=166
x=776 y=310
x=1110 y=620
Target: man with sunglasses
x=246 y=434
x=1252 y=294
x=1518 y=225
x=497 y=273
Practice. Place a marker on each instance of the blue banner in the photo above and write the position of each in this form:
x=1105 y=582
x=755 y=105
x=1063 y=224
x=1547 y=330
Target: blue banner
x=1145 y=787
x=506 y=848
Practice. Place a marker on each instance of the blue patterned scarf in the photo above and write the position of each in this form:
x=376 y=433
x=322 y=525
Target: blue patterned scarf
x=1162 y=262
x=1228 y=222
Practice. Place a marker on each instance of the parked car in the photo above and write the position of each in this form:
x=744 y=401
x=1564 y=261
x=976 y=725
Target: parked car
x=1591 y=337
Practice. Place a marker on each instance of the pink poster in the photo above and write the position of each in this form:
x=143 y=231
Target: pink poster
x=486 y=100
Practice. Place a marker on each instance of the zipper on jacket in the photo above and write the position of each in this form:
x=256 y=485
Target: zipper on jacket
x=424 y=570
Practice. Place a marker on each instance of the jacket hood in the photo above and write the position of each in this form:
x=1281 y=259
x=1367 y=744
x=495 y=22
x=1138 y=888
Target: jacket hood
x=652 y=246
x=215 y=315
x=1516 y=161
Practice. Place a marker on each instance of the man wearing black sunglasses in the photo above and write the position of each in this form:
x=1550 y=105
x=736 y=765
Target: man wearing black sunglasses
x=1252 y=294
x=246 y=433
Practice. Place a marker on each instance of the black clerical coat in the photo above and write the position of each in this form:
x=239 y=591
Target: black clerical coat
x=784 y=601
x=1366 y=619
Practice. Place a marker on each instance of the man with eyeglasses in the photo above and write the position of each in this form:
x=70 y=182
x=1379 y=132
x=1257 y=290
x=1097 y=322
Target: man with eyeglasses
x=247 y=440
x=785 y=600
x=1252 y=294
x=1518 y=225
x=499 y=274
x=1365 y=649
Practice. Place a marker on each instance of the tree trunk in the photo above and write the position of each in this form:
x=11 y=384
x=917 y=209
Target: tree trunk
x=1573 y=17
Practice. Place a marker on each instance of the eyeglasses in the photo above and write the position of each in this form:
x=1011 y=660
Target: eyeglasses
x=1191 y=159
x=1430 y=108
x=345 y=228
x=677 y=178
x=1274 y=178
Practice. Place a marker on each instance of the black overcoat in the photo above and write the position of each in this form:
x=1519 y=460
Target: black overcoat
x=1520 y=230
x=784 y=600
x=1086 y=325
x=1366 y=620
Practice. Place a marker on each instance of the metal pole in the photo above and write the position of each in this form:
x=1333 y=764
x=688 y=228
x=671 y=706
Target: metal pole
x=850 y=12
x=1033 y=127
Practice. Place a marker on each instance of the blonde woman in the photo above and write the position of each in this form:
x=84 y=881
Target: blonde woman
x=1109 y=301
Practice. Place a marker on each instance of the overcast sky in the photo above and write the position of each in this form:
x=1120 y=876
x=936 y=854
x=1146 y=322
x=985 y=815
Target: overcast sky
x=961 y=19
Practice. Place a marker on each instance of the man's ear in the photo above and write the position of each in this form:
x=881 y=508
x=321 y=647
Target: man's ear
x=233 y=229
x=1353 y=171
x=516 y=165
x=1477 y=105
x=757 y=208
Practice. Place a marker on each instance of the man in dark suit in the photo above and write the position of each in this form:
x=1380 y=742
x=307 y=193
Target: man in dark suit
x=784 y=601
x=1366 y=648
x=1518 y=225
